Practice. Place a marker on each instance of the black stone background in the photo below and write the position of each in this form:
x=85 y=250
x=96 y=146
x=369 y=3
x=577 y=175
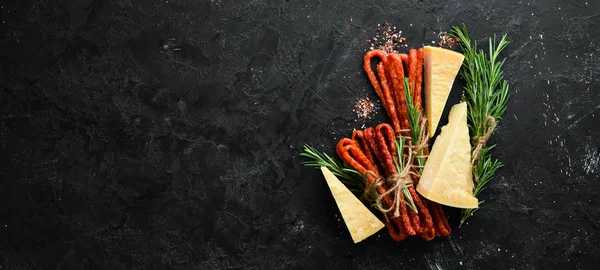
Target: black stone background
x=166 y=134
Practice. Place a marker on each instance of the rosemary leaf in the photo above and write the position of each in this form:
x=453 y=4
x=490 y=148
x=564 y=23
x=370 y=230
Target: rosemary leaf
x=347 y=175
x=486 y=95
x=413 y=113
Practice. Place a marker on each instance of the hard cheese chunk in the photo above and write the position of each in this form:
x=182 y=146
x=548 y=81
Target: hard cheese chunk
x=360 y=221
x=441 y=67
x=447 y=177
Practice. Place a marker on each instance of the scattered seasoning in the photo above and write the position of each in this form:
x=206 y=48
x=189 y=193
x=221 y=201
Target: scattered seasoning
x=387 y=38
x=446 y=41
x=364 y=109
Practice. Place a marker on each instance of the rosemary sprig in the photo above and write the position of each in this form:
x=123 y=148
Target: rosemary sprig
x=486 y=172
x=414 y=115
x=487 y=91
x=347 y=175
x=351 y=178
x=486 y=96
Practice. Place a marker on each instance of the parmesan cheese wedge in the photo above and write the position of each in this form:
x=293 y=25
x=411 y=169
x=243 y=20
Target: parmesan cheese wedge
x=441 y=67
x=360 y=221
x=447 y=177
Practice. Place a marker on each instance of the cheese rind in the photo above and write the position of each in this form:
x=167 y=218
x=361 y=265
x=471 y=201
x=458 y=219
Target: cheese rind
x=447 y=178
x=360 y=221
x=441 y=67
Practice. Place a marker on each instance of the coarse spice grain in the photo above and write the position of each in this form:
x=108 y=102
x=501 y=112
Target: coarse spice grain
x=364 y=109
x=445 y=40
x=387 y=38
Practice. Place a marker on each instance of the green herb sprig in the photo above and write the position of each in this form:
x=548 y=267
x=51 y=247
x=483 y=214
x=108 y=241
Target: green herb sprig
x=486 y=96
x=486 y=172
x=414 y=115
x=487 y=91
x=350 y=177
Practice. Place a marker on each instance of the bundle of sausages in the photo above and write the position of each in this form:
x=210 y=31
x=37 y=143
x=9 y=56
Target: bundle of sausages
x=391 y=69
x=371 y=151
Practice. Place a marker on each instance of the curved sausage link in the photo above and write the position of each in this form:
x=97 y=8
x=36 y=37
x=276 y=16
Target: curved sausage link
x=444 y=220
x=405 y=59
x=343 y=152
x=367 y=67
x=440 y=221
x=358 y=136
x=404 y=217
x=419 y=80
x=396 y=235
x=412 y=71
x=395 y=66
x=389 y=136
x=370 y=138
x=384 y=149
x=387 y=99
x=427 y=229
x=343 y=143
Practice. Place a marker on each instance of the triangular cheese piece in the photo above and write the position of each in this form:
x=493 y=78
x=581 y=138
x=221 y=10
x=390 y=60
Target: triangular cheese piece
x=441 y=67
x=360 y=221
x=447 y=177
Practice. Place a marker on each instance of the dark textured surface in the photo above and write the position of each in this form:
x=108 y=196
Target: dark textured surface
x=165 y=134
